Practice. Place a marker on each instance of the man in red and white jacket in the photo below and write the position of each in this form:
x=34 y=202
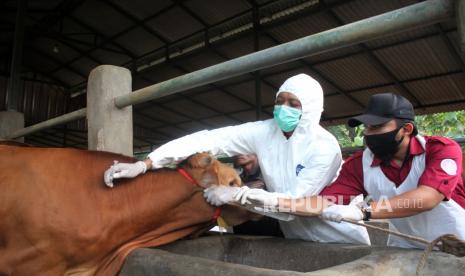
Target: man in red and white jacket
x=414 y=181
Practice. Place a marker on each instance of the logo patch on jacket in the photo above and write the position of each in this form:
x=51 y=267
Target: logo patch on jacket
x=298 y=169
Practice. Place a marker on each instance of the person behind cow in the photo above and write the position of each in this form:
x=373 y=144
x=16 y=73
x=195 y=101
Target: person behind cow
x=251 y=177
x=297 y=156
x=414 y=181
x=250 y=173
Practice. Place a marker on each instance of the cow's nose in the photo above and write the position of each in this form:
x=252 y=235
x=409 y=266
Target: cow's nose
x=235 y=182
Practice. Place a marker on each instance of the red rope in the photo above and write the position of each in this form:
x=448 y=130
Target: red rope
x=184 y=173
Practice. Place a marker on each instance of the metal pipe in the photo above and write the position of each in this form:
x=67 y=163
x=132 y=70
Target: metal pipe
x=414 y=16
x=69 y=117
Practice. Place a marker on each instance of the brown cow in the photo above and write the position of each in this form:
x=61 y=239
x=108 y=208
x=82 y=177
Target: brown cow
x=57 y=217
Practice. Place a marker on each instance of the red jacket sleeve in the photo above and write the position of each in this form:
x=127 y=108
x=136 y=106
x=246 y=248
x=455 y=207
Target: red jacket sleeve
x=349 y=183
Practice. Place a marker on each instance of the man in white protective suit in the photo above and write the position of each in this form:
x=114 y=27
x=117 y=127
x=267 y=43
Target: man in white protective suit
x=297 y=157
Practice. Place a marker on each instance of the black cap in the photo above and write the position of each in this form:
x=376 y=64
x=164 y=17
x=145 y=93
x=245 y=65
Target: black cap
x=383 y=108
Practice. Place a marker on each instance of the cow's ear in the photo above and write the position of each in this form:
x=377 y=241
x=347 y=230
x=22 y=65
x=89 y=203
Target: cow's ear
x=200 y=160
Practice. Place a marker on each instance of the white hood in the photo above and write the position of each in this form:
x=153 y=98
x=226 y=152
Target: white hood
x=310 y=95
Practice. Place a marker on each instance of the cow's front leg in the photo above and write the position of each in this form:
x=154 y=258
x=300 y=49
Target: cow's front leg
x=235 y=215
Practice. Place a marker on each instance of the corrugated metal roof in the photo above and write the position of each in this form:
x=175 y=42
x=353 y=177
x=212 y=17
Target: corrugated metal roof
x=361 y=9
x=164 y=114
x=304 y=26
x=215 y=11
x=144 y=8
x=169 y=25
x=221 y=101
x=420 y=58
x=353 y=72
x=440 y=89
x=139 y=41
x=160 y=40
x=220 y=121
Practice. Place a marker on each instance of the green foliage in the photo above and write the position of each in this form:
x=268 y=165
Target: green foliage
x=449 y=124
x=344 y=137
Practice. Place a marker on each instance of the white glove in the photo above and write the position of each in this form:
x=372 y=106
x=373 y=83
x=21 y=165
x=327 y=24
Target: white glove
x=257 y=197
x=220 y=195
x=352 y=211
x=123 y=170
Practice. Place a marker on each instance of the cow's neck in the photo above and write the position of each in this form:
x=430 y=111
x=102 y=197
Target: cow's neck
x=159 y=202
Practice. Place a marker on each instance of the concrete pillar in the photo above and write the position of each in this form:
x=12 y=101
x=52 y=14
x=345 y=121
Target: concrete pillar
x=11 y=121
x=109 y=128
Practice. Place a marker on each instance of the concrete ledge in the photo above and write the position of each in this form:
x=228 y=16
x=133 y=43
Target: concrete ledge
x=269 y=252
x=249 y=255
x=144 y=262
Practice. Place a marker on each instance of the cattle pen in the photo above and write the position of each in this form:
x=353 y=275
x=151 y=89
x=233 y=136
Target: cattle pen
x=108 y=112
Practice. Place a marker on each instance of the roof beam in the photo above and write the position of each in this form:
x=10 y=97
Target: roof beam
x=452 y=50
x=137 y=21
x=59 y=37
x=56 y=61
x=63 y=9
x=86 y=53
x=206 y=26
x=66 y=38
x=111 y=39
x=205 y=31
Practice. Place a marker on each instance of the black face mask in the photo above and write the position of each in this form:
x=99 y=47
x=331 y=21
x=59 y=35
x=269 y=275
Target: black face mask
x=385 y=145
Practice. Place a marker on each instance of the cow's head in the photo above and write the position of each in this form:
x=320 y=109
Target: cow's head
x=208 y=171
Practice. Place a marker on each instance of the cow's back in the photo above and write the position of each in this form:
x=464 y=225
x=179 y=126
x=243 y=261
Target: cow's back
x=56 y=210
x=50 y=174
x=50 y=200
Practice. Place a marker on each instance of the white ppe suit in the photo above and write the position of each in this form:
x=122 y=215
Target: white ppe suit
x=299 y=166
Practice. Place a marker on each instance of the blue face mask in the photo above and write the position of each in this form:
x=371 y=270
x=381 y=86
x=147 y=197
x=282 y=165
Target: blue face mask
x=287 y=117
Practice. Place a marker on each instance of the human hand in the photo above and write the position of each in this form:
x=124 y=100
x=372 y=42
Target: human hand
x=257 y=197
x=352 y=211
x=123 y=170
x=220 y=195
